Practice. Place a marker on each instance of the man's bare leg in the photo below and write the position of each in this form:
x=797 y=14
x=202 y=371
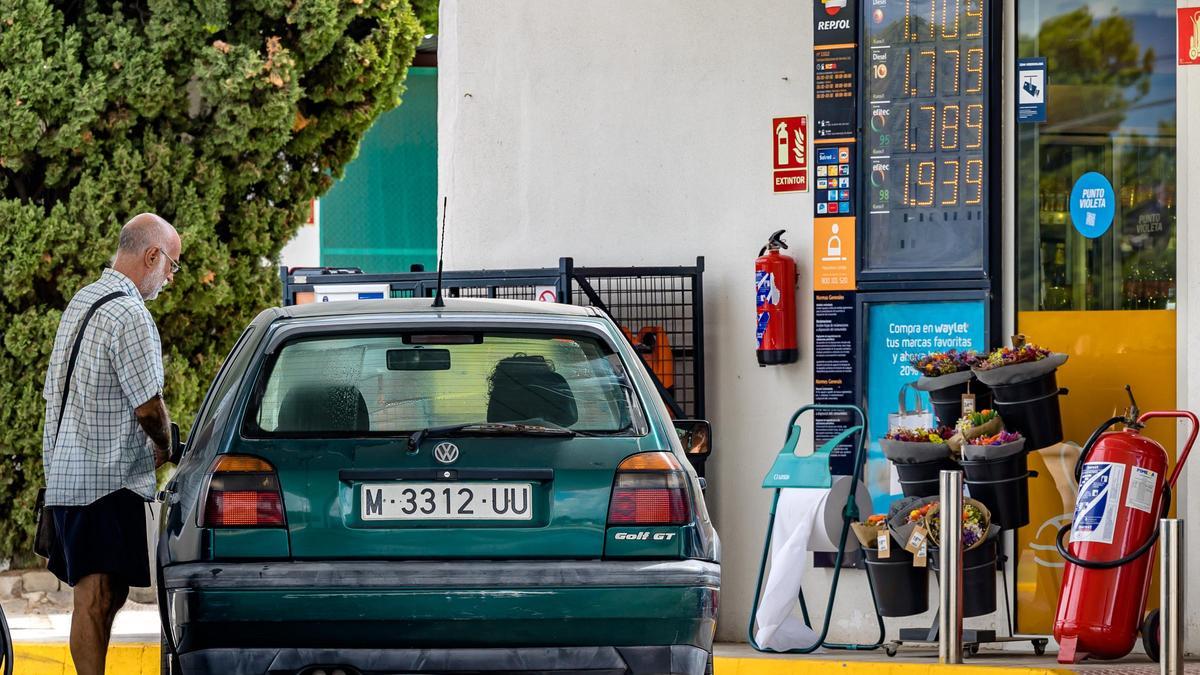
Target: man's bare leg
x=97 y=599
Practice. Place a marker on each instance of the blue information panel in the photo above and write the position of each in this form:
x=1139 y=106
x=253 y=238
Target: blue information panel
x=1031 y=90
x=896 y=332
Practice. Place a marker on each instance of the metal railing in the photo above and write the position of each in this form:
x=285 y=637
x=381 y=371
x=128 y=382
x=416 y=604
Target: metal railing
x=659 y=308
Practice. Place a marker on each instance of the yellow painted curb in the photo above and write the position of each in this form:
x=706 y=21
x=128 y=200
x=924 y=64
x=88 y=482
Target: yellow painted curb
x=143 y=659
x=802 y=666
x=55 y=659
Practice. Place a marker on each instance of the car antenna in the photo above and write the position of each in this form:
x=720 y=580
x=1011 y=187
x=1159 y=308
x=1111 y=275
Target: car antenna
x=437 y=297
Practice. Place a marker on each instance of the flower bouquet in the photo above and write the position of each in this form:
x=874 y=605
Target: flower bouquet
x=868 y=532
x=1024 y=387
x=972 y=426
x=940 y=370
x=994 y=446
x=915 y=446
x=906 y=514
x=1019 y=363
x=976 y=522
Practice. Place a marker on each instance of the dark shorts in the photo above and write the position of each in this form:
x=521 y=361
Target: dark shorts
x=107 y=536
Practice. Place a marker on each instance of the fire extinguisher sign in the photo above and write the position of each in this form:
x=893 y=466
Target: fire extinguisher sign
x=789 y=150
x=1098 y=502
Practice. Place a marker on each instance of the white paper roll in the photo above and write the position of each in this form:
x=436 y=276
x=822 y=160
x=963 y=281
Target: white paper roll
x=829 y=525
x=779 y=627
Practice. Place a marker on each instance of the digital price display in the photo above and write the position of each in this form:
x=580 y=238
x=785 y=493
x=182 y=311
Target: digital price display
x=925 y=119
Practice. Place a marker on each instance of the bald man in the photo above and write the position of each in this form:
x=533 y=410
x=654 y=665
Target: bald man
x=106 y=431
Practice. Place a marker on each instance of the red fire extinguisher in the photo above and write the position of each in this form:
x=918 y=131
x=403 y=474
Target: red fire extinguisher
x=775 y=280
x=1123 y=492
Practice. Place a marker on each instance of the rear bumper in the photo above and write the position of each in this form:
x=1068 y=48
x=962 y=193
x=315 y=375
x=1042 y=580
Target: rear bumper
x=584 y=616
x=373 y=574
x=668 y=660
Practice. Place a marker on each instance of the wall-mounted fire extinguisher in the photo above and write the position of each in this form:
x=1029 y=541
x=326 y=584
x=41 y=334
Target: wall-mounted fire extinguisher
x=775 y=280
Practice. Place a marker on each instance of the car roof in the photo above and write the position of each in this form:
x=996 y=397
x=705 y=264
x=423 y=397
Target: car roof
x=494 y=306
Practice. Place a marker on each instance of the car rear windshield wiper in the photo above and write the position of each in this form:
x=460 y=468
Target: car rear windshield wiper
x=486 y=429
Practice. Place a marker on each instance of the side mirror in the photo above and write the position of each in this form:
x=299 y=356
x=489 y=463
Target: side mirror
x=696 y=436
x=177 y=446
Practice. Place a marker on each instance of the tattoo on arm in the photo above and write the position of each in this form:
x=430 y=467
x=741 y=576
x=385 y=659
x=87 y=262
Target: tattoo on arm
x=152 y=416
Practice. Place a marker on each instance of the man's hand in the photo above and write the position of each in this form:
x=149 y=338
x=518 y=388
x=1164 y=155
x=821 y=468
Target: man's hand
x=161 y=455
x=152 y=416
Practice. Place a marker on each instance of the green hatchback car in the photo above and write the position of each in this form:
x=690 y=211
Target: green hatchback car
x=384 y=487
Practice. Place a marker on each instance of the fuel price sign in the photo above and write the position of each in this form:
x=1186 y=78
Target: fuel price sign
x=926 y=120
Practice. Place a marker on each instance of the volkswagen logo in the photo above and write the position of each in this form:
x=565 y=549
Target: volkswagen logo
x=446 y=453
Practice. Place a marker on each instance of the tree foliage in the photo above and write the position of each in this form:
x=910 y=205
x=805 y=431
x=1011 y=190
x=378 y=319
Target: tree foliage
x=1096 y=65
x=226 y=117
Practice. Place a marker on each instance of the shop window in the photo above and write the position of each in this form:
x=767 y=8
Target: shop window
x=1110 y=109
x=1096 y=223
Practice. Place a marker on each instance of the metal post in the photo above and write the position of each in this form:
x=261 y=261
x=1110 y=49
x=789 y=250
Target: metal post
x=1171 y=592
x=950 y=609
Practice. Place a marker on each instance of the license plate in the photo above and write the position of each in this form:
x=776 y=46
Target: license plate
x=447 y=501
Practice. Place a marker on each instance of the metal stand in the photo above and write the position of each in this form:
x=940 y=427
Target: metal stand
x=788 y=468
x=969 y=639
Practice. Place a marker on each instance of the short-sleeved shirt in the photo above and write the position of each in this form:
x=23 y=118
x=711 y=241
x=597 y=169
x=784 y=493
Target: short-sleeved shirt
x=100 y=446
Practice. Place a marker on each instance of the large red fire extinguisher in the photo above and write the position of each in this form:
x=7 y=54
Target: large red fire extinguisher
x=775 y=280
x=1123 y=492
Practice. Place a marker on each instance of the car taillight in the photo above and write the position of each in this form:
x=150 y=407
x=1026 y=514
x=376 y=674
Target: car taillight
x=242 y=492
x=650 y=489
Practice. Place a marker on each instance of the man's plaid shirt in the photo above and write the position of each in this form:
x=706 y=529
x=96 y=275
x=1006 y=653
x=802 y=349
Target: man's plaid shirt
x=100 y=447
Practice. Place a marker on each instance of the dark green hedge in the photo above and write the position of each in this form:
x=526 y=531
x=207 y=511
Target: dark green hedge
x=225 y=117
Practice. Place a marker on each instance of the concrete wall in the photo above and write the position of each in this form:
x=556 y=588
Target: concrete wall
x=641 y=136
x=304 y=250
x=626 y=133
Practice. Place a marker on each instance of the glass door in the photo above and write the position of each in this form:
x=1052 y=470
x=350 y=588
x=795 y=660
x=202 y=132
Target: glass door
x=1100 y=290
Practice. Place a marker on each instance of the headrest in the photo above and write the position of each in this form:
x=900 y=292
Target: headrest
x=525 y=388
x=323 y=408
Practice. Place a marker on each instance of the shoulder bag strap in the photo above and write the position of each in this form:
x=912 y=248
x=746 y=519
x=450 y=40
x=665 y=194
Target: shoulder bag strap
x=62 y=409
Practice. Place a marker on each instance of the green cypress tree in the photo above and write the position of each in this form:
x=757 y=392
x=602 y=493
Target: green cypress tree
x=225 y=117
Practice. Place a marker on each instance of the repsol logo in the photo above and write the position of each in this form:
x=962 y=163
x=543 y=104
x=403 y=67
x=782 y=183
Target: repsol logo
x=644 y=536
x=834 y=24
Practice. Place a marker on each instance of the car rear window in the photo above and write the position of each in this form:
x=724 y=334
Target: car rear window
x=381 y=385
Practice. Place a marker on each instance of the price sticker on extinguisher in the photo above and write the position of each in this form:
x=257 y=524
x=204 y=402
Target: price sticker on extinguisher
x=1098 y=502
x=1141 y=489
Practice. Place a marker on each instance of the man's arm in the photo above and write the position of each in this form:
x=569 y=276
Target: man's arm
x=152 y=416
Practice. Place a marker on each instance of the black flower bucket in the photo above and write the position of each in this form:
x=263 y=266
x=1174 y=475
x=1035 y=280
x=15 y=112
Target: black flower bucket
x=1003 y=486
x=1031 y=407
x=947 y=402
x=979 y=578
x=921 y=479
x=900 y=588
